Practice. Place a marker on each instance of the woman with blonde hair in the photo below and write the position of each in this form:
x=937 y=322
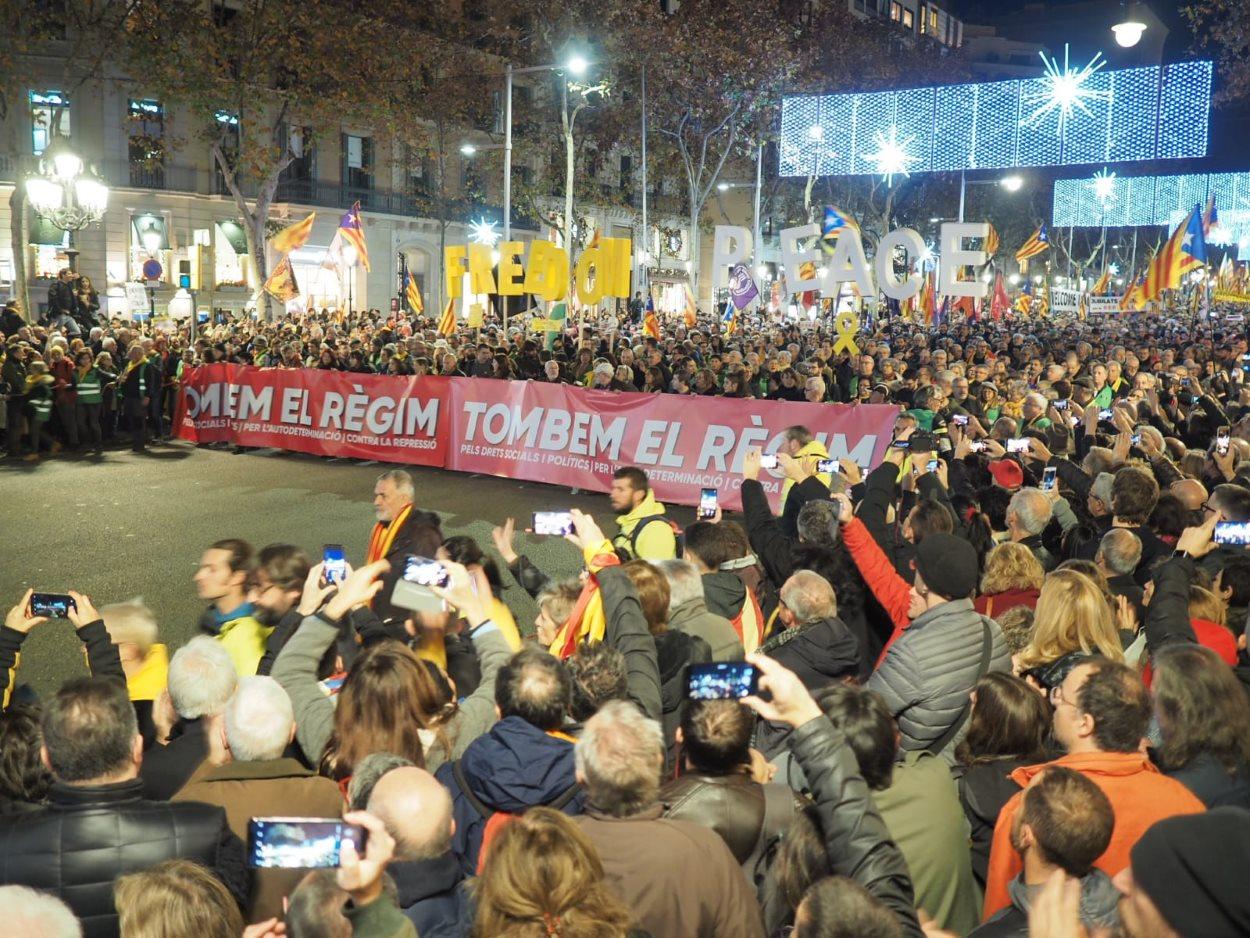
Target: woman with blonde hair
x=1071 y=615
x=173 y=899
x=543 y=878
x=1013 y=577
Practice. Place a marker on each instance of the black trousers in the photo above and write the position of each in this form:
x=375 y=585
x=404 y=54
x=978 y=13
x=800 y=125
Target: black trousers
x=13 y=420
x=136 y=420
x=89 y=424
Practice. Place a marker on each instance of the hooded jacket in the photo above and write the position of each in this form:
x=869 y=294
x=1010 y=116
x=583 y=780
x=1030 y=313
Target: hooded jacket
x=513 y=767
x=694 y=618
x=1139 y=794
x=656 y=541
x=817 y=450
x=1099 y=902
x=929 y=671
x=432 y=895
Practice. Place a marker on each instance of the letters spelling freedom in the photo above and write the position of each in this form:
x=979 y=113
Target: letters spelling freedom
x=559 y=434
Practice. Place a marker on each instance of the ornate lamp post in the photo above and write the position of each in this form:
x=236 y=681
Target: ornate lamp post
x=67 y=193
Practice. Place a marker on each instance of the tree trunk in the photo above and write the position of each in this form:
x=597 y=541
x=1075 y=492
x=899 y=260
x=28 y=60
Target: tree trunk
x=693 y=248
x=17 y=240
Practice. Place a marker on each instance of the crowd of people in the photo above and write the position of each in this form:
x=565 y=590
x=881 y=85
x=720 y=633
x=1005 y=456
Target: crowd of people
x=1002 y=676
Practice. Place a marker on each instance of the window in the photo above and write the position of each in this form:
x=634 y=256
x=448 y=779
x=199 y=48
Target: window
x=49 y=113
x=908 y=20
x=896 y=10
x=145 y=119
x=923 y=24
x=933 y=20
x=357 y=161
x=627 y=171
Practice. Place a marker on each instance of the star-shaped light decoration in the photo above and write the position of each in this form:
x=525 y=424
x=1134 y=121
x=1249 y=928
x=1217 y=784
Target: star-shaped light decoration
x=483 y=232
x=1113 y=269
x=1104 y=187
x=891 y=156
x=1065 y=89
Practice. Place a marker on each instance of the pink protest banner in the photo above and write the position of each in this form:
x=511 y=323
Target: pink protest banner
x=328 y=413
x=576 y=437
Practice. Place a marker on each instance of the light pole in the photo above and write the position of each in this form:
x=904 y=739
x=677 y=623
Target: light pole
x=1010 y=183
x=67 y=193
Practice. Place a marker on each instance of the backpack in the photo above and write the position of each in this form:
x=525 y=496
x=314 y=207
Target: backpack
x=631 y=552
x=495 y=819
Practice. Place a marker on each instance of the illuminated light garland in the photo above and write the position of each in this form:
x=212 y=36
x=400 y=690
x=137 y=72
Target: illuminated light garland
x=1064 y=90
x=892 y=158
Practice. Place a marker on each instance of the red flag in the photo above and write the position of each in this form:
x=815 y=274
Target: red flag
x=1000 y=302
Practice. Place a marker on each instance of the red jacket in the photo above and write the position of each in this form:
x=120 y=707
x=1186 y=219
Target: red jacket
x=996 y=603
x=63 y=372
x=1139 y=793
x=891 y=590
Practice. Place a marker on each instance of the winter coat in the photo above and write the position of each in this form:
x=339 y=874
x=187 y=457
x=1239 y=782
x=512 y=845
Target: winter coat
x=656 y=540
x=88 y=835
x=921 y=810
x=269 y=788
x=1139 y=794
x=857 y=842
x=420 y=536
x=928 y=673
x=676 y=651
x=432 y=894
x=820 y=653
x=694 y=618
x=512 y=767
x=1206 y=777
x=813 y=450
x=676 y=878
x=984 y=788
x=1099 y=907
x=995 y=604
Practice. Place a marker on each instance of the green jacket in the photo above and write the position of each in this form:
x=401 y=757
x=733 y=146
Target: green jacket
x=922 y=811
x=90 y=386
x=381 y=918
x=39 y=397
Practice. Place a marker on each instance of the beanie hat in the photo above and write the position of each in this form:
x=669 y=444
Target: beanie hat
x=1193 y=868
x=948 y=565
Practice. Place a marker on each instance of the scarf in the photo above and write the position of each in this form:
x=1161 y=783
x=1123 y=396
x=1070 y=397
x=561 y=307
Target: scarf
x=384 y=535
x=588 y=622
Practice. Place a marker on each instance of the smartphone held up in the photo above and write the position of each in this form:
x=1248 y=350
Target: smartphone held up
x=300 y=843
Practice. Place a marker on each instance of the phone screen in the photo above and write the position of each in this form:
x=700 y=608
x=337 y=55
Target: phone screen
x=932 y=465
x=1049 y=476
x=977 y=446
x=707 y=504
x=1233 y=533
x=1018 y=445
x=558 y=523
x=426 y=572
x=722 y=680
x=1221 y=441
x=52 y=605
x=334 y=563
x=828 y=465
x=299 y=842
x=960 y=420
x=768 y=461
x=1061 y=405
x=1105 y=415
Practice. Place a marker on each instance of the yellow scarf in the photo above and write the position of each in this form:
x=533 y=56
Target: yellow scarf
x=588 y=622
x=384 y=535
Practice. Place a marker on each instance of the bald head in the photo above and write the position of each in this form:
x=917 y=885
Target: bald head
x=1191 y=492
x=416 y=810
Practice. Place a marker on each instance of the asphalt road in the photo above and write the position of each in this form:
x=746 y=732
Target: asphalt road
x=134 y=525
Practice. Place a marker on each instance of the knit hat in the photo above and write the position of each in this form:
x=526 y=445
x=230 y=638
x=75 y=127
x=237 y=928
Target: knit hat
x=948 y=565
x=1193 y=868
x=1007 y=474
x=1101 y=489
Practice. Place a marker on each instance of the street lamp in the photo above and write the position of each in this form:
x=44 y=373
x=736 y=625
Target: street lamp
x=65 y=195
x=1128 y=31
x=1012 y=183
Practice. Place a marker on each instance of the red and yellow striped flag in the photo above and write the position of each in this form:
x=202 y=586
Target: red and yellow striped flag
x=293 y=236
x=992 y=244
x=353 y=231
x=414 y=296
x=1038 y=243
x=447 y=321
x=691 y=311
x=1104 y=281
x=651 y=325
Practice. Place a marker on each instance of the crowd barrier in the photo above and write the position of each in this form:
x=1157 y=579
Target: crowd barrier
x=554 y=433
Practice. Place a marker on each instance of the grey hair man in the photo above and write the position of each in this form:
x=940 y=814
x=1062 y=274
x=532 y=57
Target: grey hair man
x=815 y=644
x=676 y=877
x=1119 y=553
x=688 y=611
x=27 y=912
x=202 y=679
x=1028 y=513
x=259 y=781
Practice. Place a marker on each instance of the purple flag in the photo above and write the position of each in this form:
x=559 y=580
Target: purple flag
x=742 y=289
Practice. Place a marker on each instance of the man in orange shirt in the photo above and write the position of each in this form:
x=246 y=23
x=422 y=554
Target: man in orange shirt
x=1102 y=710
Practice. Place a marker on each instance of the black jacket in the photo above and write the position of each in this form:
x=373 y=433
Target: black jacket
x=856 y=839
x=432 y=894
x=983 y=790
x=167 y=768
x=676 y=651
x=820 y=653
x=88 y=836
x=421 y=536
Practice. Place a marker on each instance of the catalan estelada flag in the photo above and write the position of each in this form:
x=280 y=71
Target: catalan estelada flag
x=730 y=319
x=414 y=296
x=293 y=236
x=1185 y=250
x=835 y=222
x=992 y=244
x=650 y=321
x=447 y=321
x=354 y=234
x=1038 y=243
